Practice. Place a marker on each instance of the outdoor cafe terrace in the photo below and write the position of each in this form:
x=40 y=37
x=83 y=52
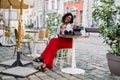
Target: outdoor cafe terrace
x=90 y=56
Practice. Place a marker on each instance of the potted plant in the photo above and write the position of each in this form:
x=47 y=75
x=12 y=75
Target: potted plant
x=107 y=13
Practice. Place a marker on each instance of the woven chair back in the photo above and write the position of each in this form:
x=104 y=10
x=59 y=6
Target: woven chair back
x=41 y=34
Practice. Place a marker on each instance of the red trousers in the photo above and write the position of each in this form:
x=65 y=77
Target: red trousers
x=50 y=51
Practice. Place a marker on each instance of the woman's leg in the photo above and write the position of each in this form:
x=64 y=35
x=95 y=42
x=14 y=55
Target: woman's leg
x=51 y=49
x=47 y=50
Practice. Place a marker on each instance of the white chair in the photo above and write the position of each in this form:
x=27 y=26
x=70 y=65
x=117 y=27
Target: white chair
x=63 y=56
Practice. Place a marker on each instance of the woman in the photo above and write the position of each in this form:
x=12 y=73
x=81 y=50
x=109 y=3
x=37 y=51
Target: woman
x=55 y=44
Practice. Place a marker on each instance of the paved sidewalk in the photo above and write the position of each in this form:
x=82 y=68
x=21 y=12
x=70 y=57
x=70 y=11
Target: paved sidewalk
x=90 y=56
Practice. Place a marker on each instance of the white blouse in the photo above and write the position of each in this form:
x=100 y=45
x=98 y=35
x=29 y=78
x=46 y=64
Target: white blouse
x=68 y=28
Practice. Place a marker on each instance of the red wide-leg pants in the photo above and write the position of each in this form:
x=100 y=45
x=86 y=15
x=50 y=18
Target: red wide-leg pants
x=50 y=51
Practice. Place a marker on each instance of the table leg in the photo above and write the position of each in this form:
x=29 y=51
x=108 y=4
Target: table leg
x=73 y=69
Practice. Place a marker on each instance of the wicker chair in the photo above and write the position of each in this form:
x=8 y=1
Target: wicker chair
x=63 y=56
x=43 y=39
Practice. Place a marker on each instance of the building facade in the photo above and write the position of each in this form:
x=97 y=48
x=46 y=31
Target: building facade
x=76 y=8
x=34 y=15
x=87 y=20
x=37 y=15
x=54 y=6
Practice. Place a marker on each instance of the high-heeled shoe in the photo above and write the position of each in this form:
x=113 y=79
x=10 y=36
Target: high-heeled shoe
x=38 y=59
x=41 y=68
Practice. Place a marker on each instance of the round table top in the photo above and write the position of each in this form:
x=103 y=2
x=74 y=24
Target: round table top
x=73 y=36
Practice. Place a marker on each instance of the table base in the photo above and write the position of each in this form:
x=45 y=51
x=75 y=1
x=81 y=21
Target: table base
x=73 y=70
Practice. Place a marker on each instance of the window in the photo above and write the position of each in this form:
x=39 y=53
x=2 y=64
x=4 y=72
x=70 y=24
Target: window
x=46 y=6
x=76 y=0
x=58 y=4
x=53 y=4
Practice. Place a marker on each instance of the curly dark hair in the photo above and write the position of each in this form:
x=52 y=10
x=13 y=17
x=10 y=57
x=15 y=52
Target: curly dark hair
x=65 y=15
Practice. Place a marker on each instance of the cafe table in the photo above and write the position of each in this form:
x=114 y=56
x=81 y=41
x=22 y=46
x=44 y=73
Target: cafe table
x=34 y=54
x=73 y=69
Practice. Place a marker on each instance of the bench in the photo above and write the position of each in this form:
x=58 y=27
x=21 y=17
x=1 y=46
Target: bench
x=92 y=30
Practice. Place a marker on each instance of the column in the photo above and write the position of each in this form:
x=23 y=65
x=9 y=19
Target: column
x=49 y=4
x=55 y=4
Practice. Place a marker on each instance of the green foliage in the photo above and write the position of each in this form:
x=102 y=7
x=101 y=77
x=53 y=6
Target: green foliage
x=28 y=36
x=108 y=15
x=29 y=26
x=53 y=20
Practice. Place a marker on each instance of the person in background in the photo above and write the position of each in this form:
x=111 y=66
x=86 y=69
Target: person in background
x=48 y=55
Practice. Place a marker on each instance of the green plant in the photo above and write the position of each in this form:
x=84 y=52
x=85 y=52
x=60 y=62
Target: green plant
x=53 y=20
x=108 y=15
x=29 y=25
x=28 y=36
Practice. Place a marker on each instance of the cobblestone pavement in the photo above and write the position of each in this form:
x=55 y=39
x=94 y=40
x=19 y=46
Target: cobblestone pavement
x=90 y=56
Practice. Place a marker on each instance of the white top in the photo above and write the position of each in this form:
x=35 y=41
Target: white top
x=68 y=28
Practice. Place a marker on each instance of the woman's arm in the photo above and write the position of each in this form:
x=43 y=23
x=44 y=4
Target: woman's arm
x=62 y=27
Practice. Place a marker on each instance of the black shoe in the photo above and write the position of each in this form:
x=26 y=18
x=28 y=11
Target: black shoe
x=38 y=59
x=40 y=68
